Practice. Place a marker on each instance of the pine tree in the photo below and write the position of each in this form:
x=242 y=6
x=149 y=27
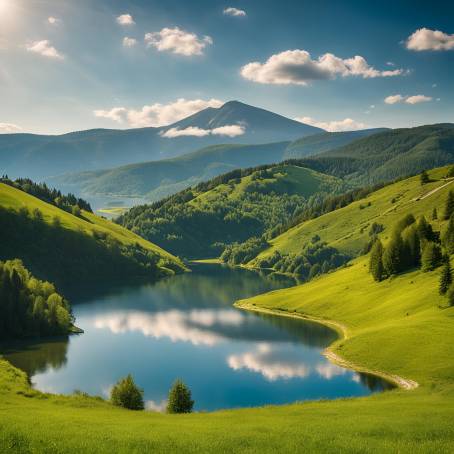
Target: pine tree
x=424 y=177
x=393 y=255
x=434 y=214
x=376 y=261
x=450 y=295
x=449 y=206
x=448 y=236
x=445 y=277
x=412 y=246
x=425 y=230
x=431 y=256
x=179 y=399
x=127 y=394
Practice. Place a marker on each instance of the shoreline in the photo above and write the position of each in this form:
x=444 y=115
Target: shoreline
x=342 y=330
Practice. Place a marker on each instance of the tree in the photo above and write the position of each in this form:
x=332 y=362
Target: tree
x=451 y=295
x=431 y=256
x=425 y=230
x=127 y=394
x=449 y=206
x=393 y=255
x=434 y=214
x=412 y=246
x=424 y=177
x=376 y=261
x=448 y=236
x=445 y=277
x=179 y=399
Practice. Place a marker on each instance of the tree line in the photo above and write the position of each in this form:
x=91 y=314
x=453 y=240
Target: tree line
x=28 y=306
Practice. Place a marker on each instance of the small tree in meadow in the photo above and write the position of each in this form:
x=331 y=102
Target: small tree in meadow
x=451 y=295
x=127 y=394
x=179 y=399
x=449 y=206
x=434 y=214
x=448 y=236
x=445 y=277
x=431 y=256
x=424 y=177
x=376 y=261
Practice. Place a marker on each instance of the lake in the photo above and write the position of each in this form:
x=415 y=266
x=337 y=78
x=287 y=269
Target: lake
x=186 y=327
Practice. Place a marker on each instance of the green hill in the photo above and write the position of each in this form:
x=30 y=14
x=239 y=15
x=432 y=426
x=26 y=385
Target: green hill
x=349 y=229
x=71 y=250
x=233 y=207
x=390 y=154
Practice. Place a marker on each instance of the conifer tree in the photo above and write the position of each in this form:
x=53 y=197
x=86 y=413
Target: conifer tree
x=424 y=177
x=448 y=236
x=434 y=214
x=376 y=261
x=431 y=256
x=449 y=206
x=412 y=246
x=393 y=255
x=445 y=277
x=179 y=399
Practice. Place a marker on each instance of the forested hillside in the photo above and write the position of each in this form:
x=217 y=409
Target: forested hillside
x=201 y=221
x=76 y=248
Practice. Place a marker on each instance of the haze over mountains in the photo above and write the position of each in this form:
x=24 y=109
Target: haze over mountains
x=42 y=156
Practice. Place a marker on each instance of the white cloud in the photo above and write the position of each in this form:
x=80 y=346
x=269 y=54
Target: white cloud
x=234 y=12
x=158 y=114
x=129 y=42
x=190 y=131
x=125 y=19
x=151 y=405
x=329 y=370
x=270 y=363
x=53 y=20
x=8 y=128
x=177 y=41
x=394 y=99
x=45 y=49
x=426 y=39
x=347 y=124
x=415 y=99
x=227 y=130
x=297 y=67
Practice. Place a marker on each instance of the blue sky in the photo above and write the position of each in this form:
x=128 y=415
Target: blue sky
x=65 y=65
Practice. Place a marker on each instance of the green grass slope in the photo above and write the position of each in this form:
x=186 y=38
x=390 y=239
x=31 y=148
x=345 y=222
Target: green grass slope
x=347 y=229
x=89 y=231
x=199 y=222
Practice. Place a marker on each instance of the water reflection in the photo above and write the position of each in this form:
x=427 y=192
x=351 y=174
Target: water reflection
x=186 y=327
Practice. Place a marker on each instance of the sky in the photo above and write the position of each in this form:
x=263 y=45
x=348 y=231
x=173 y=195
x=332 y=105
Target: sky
x=68 y=65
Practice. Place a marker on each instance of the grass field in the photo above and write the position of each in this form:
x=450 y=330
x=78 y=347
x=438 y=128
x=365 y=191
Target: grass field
x=13 y=198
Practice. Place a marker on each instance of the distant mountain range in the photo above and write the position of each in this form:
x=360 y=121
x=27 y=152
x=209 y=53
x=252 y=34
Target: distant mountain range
x=42 y=156
x=157 y=179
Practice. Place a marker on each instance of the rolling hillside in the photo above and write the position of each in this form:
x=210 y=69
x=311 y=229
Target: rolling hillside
x=39 y=157
x=73 y=250
x=348 y=229
x=233 y=207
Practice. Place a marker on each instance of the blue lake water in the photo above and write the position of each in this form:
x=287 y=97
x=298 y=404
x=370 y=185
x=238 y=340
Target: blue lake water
x=186 y=327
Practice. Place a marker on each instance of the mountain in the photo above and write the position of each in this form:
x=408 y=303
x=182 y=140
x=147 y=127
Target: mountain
x=74 y=249
x=199 y=222
x=42 y=156
x=156 y=179
x=390 y=154
x=318 y=143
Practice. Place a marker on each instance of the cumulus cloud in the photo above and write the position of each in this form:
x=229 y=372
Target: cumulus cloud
x=329 y=370
x=415 y=99
x=347 y=124
x=227 y=130
x=177 y=41
x=129 y=42
x=271 y=364
x=298 y=68
x=8 y=128
x=53 y=20
x=234 y=12
x=160 y=407
x=426 y=39
x=45 y=49
x=125 y=19
x=158 y=114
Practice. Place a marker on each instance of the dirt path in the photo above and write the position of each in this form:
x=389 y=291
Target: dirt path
x=401 y=382
x=434 y=191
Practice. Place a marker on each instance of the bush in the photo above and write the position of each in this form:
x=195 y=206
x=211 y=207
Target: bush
x=127 y=394
x=179 y=399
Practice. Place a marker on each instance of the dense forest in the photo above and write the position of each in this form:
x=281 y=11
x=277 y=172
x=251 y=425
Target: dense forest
x=231 y=208
x=28 y=306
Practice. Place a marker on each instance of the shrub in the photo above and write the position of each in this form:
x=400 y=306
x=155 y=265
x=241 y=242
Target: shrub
x=179 y=399
x=127 y=394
